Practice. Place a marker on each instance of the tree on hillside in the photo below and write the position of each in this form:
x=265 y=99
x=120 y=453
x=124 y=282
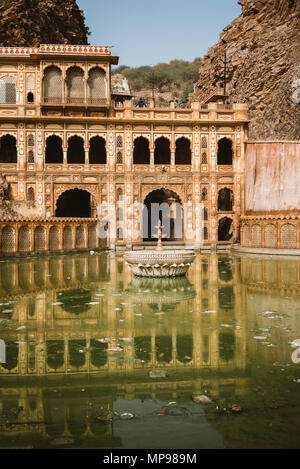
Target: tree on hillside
x=177 y=76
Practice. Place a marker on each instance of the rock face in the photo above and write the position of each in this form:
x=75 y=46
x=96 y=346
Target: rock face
x=263 y=54
x=29 y=23
x=6 y=209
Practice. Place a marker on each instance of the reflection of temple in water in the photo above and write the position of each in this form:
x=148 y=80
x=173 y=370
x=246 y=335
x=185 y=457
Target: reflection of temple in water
x=69 y=303
x=78 y=309
x=66 y=311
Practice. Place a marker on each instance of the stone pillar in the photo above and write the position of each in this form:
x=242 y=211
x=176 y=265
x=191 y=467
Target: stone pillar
x=152 y=160
x=86 y=161
x=65 y=161
x=173 y=160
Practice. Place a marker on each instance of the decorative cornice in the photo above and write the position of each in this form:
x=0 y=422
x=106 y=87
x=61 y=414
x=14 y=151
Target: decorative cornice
x=49 y=49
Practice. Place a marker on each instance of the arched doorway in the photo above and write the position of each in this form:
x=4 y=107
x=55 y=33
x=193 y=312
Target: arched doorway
x=76 y=153
x=225 y=155
x=97 y=152
x=74 y=203
x=141 y=152
x=163 y=205
x=225 y=200
x=162 y=153
x=183 y=153
x=54 y=150
x=225 y=229
x=8 y=149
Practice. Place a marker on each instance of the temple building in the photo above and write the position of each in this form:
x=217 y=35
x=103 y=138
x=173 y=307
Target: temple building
x=69 y=144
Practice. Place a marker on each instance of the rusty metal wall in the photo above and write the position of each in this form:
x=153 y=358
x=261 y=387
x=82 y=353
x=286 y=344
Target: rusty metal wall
x=272 y=177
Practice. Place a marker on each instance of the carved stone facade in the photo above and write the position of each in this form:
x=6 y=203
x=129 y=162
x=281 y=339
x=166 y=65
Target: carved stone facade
x=270 y=231
x=55 y=98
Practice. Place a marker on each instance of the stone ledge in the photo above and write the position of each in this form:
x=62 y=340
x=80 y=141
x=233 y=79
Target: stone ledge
x=273 y=252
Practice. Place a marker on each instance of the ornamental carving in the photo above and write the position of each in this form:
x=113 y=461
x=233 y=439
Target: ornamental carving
x=178 y=189
x=60 y=188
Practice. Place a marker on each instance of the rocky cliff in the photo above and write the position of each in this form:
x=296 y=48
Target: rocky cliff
x=263 y=67
x=29 y=23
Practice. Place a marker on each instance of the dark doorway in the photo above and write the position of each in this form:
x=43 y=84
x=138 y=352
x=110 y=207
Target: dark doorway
x=54 y=151
x=162 y=154
x=76 y=154
x=8 y=149
x=141 y=152
x=225 y=151
x=97 y=154
x=163 y=205
x=183 y=151
x=225 y=230
x=30 y=97
x=74 y=203
x=225 y=200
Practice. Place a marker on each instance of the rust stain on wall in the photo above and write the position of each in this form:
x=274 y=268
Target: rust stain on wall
x=272 y=175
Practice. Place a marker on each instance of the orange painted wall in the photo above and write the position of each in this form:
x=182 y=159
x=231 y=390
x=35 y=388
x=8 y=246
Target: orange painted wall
x=272 y=177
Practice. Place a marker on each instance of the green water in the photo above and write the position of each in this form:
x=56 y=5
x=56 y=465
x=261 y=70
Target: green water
x=95 y=358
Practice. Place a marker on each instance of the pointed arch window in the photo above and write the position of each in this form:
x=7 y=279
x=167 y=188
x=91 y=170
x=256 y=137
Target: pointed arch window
x=52 y=85
x=97 y=85
x=75 y=85
x=141 y=151
x=8 y=149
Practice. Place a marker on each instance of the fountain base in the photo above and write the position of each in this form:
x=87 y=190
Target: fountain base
x=160 y=263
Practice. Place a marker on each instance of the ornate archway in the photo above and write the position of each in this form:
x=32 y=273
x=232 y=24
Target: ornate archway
x=164 y=205
x=92 y=189
x=74 y=203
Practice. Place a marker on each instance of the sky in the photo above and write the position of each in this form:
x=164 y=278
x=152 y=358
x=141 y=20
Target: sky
x=147 y=32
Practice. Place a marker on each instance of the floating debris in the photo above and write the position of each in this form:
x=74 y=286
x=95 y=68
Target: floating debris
x=62 y=441
x=21 y=328
x=157 y=374
x=295 y=343
x=105 y=418
x=126 y=416
x=259 y=337
x=115 y=349
x=201 y=399
x=236 y=408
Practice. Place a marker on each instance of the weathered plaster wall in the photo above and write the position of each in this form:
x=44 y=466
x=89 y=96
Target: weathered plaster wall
x=272 y=177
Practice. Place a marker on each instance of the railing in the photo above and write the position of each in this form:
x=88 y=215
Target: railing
x=77 y=101
x=226 y=107
x=157 y=104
